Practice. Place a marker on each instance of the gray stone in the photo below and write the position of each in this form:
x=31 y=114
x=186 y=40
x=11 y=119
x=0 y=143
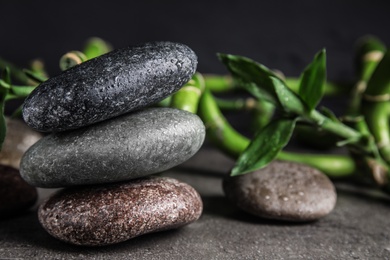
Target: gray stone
x=15 y=194
x=18 y=139
x=103 y=215
x=110 y=85
x=126 y=147
x=358 y=227
x=284 y=191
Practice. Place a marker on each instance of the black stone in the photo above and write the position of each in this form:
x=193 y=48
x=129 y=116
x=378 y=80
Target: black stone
x=110 y=85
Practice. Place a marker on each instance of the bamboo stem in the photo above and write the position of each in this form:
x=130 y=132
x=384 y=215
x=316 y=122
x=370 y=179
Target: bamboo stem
x=187 y=98
x=223 y=135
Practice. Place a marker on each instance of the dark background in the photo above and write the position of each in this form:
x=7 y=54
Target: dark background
x=280 y=34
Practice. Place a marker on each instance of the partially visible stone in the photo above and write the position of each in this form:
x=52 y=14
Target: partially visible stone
x=284 y=191
x=18 y=139
x=103 y=215
x=15 y=194
x=123 y=148
x=118 y=82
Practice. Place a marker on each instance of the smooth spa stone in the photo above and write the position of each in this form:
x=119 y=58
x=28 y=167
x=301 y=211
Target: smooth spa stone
x=108 y=214
x=15 y=194
x=126 y=147
x=18 y=139
x=284 y=191
x=118 y=82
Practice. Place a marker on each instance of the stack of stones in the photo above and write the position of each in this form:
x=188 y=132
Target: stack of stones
x=105 y=143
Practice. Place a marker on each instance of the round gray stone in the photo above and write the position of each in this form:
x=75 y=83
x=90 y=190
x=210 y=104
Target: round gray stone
x=284 y=191
x=118 y=82
x=126 y=147
x=15 y=194
x=108 y=214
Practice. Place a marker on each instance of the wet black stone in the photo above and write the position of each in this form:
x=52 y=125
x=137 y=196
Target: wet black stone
x=110 y=85
x=126 y=147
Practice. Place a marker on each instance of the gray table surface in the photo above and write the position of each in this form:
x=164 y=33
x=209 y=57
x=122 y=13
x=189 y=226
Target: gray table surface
x=358 y=228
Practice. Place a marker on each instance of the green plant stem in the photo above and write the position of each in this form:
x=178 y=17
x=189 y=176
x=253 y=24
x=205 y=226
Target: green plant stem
x=95 y=47
x=224 y=136
x=219 y=83
x=165 y=102
x=187 y=98
x=369 y=52
x=239 y=104
x=376 y=106
x=219 y=131
x=71 y=59
x=4 y=90
x=262 y=115
x=225 y=83
x=379 y=83
x=262 y=111
x=335 y=166
x=377 y=116
x=335 y=127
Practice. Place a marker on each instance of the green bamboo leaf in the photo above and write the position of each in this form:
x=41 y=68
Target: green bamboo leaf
x=265 y=146
x=252 y=76
x=4 y=84
x=34 y=76
x=313 y=81
x=22 y=91
x=288 y=100
x=16 y=72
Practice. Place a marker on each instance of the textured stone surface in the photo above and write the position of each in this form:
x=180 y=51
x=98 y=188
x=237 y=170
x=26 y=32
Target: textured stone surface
x=15 y=194
x=358 y=228
x=126 y=147
x=102 y=215
x=110 y=85
x=18 y=139
x=283 y=190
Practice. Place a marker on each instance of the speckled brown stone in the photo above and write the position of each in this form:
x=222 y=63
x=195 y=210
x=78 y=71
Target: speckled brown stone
x=284 y=191
x=103 y=215
x=18 y=139
x=15 y=194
